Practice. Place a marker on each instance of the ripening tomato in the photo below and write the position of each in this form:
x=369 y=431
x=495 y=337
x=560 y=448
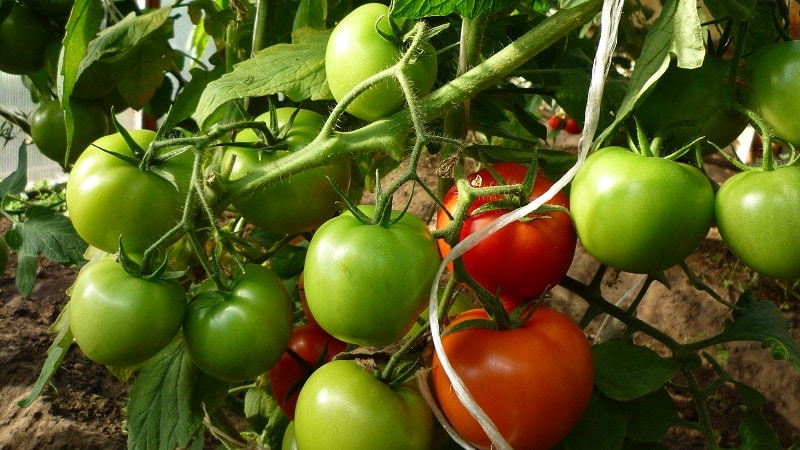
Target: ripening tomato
x=524 y=258
x=640 y=214
x=758 y=216
x=309 y=347
x=344 y=406
x=356 y=51
x=244 y=334
x=534 y=382
x=301 y=202
x=119 y=319
x=367 y=283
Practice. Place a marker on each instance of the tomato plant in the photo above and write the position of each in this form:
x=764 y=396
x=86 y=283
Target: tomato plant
x=496 y=70
x=3 y=254
x=119 y=319
x=770 y=85
x=548 y=351
x=275 y=207
x=23 y=37
x=144 y=205
x=756 y=213
x=342 y=405
x=49 y=131
x=52 y=9
x=525 y=258
x=367 y=283
x=363 y=44
x=309 y=347
x=243 y=334
x=625 y=209
x=687 y=104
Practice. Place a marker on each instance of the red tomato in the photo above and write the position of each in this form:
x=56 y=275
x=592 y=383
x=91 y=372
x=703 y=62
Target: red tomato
x=524 y=258
x=555 y=122
x=534 y=382
x=571 y=126
x=315 y=347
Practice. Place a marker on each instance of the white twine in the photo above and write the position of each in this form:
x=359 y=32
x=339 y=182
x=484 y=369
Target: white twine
x=609 y=23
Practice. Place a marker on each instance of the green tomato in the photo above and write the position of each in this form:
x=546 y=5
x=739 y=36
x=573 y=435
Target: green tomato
x=640 y=214
x=758 y=216
x=690 y=95
x=49 y=130
x=366 y=284
x=242 y=336
x=342 y=406
x=108 y=197
x=23 y=38
x=770 y=88
x=301 y=202
x=119 y=319
x=289 y=438
x=52 y=9
x=356 y=51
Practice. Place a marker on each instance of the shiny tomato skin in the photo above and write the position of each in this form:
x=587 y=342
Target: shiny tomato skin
x=344 y=406
x=301 y=202
x=24 y=35
x=242 y=336
x=49 y=129
x=356 y=51
x=366 y=284
x=311 y=343
x=524 y=258
x=108 y=197
x=680 y=107
x=534 y=382
x=770 y=88
x=758 y=216
x=640 y=214
x=119 y=319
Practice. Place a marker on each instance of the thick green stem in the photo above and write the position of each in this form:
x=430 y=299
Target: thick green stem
x=390 y=134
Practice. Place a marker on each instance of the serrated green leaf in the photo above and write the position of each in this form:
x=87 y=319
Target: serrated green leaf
x=762 y=321
x=750 y=396
x=153 y=58
x=15 y=182
x=678 y=33
x=25 y=277
x=55 y=354
x=651 y=416
x=603 y=424
x=257 y=408
x=311 y=14
x=756 y=434
x=297 y=70
x=414 y=9
x=51 y=234
x=625 y=372
x=166 y=404
x=82 y=26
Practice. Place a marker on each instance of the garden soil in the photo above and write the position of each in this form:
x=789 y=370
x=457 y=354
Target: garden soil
x=84 y=405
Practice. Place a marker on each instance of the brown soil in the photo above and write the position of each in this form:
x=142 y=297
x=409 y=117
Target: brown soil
x=84 y=406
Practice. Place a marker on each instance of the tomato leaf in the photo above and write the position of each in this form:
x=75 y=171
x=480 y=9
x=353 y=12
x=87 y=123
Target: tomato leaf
x=15 y=182
x=626 y=372
x=189 y=96
x=603 y=424
x=43 y=232
x=651 y=416
x=55 y=354
x=414 y=9
x=296 y=70
x=168 y=398
x=676 y=32
x=757 y=434
x=762 y=321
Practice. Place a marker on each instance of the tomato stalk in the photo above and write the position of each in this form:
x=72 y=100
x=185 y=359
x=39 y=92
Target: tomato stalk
x=390 y=133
